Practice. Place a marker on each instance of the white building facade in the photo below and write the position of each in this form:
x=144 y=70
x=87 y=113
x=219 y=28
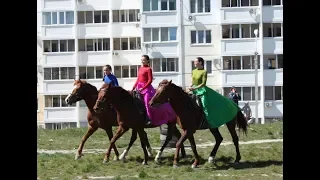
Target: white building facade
x=80 y=36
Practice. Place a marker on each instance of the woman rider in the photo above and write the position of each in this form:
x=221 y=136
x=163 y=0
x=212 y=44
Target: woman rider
x=218 y=109
x=161 y=114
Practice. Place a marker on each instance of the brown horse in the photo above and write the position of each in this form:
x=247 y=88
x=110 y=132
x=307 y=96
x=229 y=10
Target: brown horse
x=129 y=116
x=190 y=116
x=104 y=120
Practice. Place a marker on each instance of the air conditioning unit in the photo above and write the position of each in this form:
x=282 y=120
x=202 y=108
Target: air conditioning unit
x=190 y=17
x=139 y=16
x=80 y=1
x=267 y=104
x=115 y=53
x=137 y=25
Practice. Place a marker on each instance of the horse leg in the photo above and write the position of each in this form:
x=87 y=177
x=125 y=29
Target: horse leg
x=194 y=149
x=89 y=132
x=216 y=133
x=177 y=133
x=132 y=140
x=149 y=149
x=178 y=146
x=110 y=136
x=119 y=133
x=232 y=129
x=143 y=141
x=167 y=140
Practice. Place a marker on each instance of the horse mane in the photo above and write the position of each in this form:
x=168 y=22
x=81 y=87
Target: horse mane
x=85 y=83
x=168 y=83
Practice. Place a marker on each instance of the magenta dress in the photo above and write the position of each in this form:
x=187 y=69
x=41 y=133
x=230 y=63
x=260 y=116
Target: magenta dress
x=158 y=115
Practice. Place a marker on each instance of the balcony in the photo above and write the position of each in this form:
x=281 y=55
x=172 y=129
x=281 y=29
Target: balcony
x=64 y=58
x=62 y=4
x=126 y=4
x=94 y=58
x=161 y=49
x=89 y=5
x=58 y=31
x=245 y=46
x=239 y=15
x=272 y=14
x=159 y=19
x=93 y=30
x=127 y=29
x=273 y=45
x=127 y=57
x=273 y=77
x=64 y=114
x=57 y=87
x=240 y=78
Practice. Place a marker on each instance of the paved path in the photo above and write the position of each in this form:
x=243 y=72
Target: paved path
x=203 y=145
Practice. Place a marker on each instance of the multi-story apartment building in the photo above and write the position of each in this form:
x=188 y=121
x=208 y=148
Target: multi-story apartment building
x=80 y=36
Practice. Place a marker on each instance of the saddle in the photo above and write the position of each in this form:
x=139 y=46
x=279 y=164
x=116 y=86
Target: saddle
x=138 y=100
x=197 y=103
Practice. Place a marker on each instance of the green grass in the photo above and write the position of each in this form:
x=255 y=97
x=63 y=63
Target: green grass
x=259 y=161
x=68 y=139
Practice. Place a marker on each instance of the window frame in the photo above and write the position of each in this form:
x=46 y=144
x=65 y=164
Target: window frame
x=44 y=76
x=203 y=8
x=159 y=35
x=176 y=65
x=205 y=65
x=159 y=6
x=61 y=100
x=197 y=37
x=58 y=18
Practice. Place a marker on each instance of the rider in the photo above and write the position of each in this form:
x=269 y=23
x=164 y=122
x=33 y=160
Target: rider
x=214 y=104
x=143 y=85
x=234 y=96
x=108 y=77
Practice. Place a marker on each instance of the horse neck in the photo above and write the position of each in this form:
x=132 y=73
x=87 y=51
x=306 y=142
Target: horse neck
x=176 y=100
x=90 y=99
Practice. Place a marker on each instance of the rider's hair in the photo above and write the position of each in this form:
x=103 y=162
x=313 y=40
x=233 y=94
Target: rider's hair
x=200 y=59
x=108 y=67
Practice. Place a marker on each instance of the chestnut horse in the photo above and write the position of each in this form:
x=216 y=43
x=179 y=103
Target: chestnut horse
x=129 y=116
x=104 y=120
x=190 y=119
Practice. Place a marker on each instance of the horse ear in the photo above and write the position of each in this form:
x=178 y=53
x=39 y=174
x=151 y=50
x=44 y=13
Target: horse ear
x=170 y=81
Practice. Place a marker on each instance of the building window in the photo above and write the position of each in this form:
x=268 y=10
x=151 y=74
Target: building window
x=239 y=62
x=273 y=61
x=58 y=45
x=93 y=17
x=164 y=64
x=200 y=6
x=201 y=37
x=56 y=101
x=239 y=3
x=126 y=71
x=56 y=18
x=94 y=44
x=273 y=93
x=160 y=34
x=239 y=31
x=272 y=2
x=59 y=73
x=91 y=72
x=57 y=126
x=132 y=43
x=272 y=29
x=207 y=66
x=246 y=93
x=129 y=15
x=159 y=5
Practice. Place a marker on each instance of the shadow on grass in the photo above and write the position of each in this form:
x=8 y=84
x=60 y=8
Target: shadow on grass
x=221 y=163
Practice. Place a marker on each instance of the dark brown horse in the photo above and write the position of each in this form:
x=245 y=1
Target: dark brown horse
x=190 y=117
x=129 y=116
x=104 y=120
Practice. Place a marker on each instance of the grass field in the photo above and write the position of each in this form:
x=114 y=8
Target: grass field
x=259 y=161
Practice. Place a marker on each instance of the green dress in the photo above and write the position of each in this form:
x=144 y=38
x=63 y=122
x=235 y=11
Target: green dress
x=218 y=109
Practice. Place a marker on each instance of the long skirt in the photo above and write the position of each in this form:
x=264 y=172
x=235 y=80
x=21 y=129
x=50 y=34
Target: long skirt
x=158 y=115
x=218 y=109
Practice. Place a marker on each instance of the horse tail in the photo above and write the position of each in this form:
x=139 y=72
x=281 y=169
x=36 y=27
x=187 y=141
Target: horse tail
x=242 y=122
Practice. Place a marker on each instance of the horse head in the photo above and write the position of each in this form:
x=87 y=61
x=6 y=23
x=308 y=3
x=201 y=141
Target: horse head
x=162 y=94
x=79 y=91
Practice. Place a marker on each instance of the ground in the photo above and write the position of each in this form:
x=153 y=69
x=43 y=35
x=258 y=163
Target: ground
x=259 y=161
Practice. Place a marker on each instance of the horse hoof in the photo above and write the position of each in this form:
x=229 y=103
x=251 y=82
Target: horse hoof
x=116 y=158
x=144 y=163
x=236 y=163
x=149 y=152
x=210 y=160
x=175 y=166
x=78 y=156
x=157 y=160
x=123 y=155
x=194 y=166
x=105 y=161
